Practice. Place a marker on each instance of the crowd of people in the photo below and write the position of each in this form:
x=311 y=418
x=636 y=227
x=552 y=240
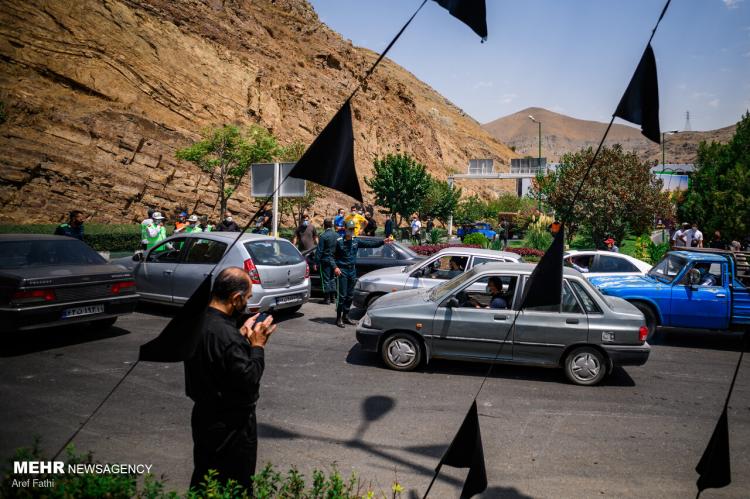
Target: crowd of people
x=688 y=235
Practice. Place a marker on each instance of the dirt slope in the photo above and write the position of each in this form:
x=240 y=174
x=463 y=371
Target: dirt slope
x=100 y=94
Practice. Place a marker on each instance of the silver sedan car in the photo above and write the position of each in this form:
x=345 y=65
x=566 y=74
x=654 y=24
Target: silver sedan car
x=171 y=271
x=587 y=335
x=433 y=270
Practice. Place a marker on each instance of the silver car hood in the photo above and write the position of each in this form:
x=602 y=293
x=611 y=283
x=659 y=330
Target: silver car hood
x=400 y=298
x=392 y=276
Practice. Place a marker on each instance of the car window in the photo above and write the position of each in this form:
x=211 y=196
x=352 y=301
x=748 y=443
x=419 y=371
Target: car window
x=385 y=251
x=205 y=251
x=589 y=305
x=65 y=251
x=446 y=267
x=167 y=252
x=711 y=274
x=568 y=302
x=582 y=263
x=405 y=251
x=606 y=263
x=491 y=292
x=479 y=260
x=273 y=252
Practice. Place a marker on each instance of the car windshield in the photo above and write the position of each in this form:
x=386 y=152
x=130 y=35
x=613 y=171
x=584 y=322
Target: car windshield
x=273 y=252
x=668 y=268
x=406 y=250
x=442 y=290
x=46 y=252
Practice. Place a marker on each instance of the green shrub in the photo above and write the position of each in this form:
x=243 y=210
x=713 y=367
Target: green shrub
x=648 y=251
x=476 y=238
x=436 y=235
x=537 y=235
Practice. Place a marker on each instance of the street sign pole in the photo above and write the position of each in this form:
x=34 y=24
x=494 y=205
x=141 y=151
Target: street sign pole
x=450 y=216
x=276 y=175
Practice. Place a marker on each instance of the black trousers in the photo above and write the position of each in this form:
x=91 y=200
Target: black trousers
x=225 y=443
x=346 y=281
x=327 y=279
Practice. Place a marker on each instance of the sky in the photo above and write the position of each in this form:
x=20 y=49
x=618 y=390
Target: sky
x=573 y=57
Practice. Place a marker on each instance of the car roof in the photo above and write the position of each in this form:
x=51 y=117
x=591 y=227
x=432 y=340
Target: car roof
x=32 y=237
x=716 y=257
x=463 y=250
x=226 y=236
x=519 y=268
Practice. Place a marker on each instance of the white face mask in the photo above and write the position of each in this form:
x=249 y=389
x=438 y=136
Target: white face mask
x=229 y=219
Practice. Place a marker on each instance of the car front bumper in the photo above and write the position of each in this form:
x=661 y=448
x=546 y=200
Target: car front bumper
x=623 y=355
x=360 y=298
x=368 y=338
x=264 y=300
x=37 y=317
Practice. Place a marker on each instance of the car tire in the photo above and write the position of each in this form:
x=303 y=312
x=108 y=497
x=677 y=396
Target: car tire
x=585 y=366
x=103 y=323
x=402 y=351
x=649 y=315
x=371 y=299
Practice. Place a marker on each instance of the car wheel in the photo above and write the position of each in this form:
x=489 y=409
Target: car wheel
x=585 y=366
x=104 y=323
x=649 y=315
x=402 y=351
x=371 y=299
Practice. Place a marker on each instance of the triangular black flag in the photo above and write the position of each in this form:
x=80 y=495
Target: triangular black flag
x=466 y=452
x=329 y=161
x=714 y=468
x=544 y=286
x=179 y=339
x=473 y=13
x=640 y=102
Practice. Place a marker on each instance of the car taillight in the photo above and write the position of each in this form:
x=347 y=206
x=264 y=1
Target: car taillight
x=642 y=334
x=307 y=271
x=252 y=271
x=118 y=287
x=34 y=296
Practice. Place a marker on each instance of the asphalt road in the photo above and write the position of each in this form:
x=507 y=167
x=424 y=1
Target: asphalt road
x=325 y=402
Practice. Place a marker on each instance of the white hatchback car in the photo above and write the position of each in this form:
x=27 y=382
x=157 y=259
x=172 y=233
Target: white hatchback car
x=596 y=263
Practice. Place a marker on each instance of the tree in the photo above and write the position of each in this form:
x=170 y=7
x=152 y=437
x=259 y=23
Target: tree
x=620 y=195
x=470 y=210
x=399 y=184
x=718 y=197
x=227 y=152
x=441 y=200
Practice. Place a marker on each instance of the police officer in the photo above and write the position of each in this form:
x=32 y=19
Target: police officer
x=325 y=256
x=345 y=269
x=74 y=227
x=223 y=379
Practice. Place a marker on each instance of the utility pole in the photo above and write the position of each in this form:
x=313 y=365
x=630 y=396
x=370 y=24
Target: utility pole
x=539 y=164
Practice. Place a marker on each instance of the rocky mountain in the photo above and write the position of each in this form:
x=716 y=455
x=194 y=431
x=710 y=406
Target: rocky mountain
x=99 y=94
x=561 y=134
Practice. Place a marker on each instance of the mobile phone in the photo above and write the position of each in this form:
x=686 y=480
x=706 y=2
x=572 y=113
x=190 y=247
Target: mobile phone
x=262 y=317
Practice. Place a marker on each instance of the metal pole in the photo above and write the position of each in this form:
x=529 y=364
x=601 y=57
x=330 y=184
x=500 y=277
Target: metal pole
x=276 y=174
x=539 y=167
x=450 y=217
x=662 y=150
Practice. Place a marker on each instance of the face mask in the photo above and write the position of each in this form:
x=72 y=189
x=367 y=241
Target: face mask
x=229 y=219
x=306 y=222
x=239 y=307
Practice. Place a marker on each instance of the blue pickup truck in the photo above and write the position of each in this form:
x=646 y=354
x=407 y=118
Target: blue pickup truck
x=697 y=289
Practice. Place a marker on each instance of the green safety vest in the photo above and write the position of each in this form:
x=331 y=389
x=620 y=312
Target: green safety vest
x=190 y=229
x=159 y=237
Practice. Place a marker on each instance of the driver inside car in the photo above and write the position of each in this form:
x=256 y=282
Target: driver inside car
x=495 y=290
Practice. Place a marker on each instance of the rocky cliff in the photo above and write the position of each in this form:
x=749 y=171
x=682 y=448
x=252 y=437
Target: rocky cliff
x=98 y=95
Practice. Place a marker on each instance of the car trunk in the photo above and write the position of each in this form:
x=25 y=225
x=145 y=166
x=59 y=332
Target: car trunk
x=279 y=264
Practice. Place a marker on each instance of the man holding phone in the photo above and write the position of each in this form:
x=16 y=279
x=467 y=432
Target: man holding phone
x=223 y=379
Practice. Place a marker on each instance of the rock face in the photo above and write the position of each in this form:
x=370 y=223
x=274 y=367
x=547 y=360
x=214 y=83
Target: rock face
x=100 y=94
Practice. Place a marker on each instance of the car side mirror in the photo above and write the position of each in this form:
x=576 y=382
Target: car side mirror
x=138 y=257
x=418 y=273
x=694 y=277
x=452 y=302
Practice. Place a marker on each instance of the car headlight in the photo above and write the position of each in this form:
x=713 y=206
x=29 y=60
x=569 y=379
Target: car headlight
x=367 y=321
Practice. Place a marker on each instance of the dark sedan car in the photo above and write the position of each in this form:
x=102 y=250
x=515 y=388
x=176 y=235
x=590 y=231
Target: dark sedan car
x=50 y=281
x=369 y=259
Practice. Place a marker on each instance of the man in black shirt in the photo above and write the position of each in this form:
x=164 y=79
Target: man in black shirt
x=228 y=224
x=223 y=379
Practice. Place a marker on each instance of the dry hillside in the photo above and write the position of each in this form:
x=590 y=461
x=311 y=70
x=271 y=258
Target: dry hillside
x=561 y=134
x=100 y=94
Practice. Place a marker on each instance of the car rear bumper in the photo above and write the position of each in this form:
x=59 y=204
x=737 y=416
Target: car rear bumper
x=273 y=299
x=28 y=318
x=368 y=338
x=622 y=355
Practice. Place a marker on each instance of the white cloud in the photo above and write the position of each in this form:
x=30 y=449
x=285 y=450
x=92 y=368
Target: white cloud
x=732 y=4
x=483 y=84
x=508 y=98
x=713 y=103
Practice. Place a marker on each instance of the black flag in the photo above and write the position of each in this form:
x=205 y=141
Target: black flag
x=473 y=13
x=178 y=340
x=713 y=468
x=640 y=102
x=466 y=452
x=329 y=161
x=544 y=286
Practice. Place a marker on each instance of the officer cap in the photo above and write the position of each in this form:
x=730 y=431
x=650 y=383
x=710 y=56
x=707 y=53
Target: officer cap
x=350 y=224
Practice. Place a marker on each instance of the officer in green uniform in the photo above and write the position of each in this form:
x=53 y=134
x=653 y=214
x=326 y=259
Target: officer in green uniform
x=345 y=269
x=324 y=255
x=155 y=231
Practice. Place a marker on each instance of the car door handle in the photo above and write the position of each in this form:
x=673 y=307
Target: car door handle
x=167 y=272
x=571 y=321
x=721 y=295
x=501 y=317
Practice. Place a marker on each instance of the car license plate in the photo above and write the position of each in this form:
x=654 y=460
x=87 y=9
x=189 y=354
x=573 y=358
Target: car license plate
x=80 y=311
x=288 y=299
